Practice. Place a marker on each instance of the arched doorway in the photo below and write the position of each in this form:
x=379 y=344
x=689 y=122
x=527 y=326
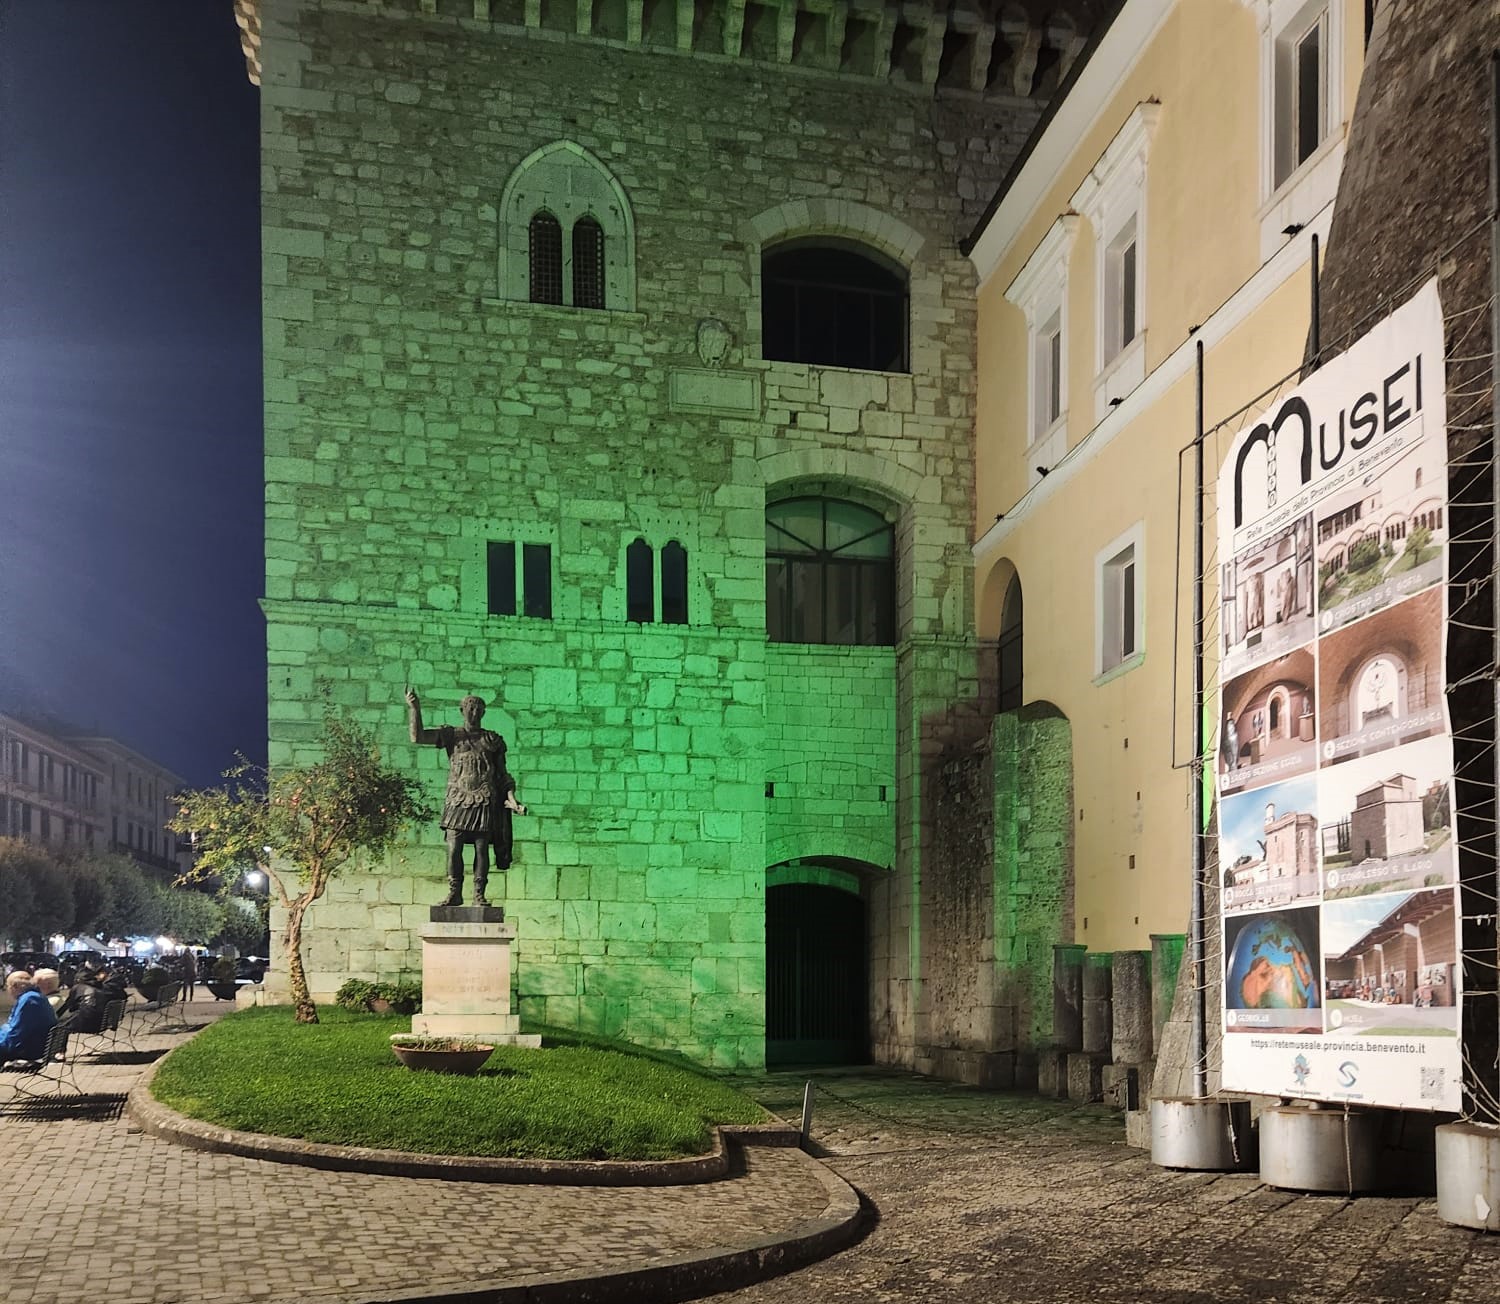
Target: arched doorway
x=1010 y=648
x=816 y=975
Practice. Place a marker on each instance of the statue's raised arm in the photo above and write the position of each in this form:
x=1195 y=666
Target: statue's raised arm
x=414 y=719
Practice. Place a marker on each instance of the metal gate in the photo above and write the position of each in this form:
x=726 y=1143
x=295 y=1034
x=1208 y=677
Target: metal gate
x=815 y=976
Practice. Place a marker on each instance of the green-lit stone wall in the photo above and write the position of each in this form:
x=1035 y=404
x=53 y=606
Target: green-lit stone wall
x=413 y=414
x=831 y=754
x=1033 y=901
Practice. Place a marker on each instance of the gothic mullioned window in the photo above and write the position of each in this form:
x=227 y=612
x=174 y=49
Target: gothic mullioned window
x=641 y=583
x=587 y=243
x=830 y=573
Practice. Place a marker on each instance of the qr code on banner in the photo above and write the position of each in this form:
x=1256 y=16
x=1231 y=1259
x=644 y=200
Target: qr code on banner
x=1432 y=1084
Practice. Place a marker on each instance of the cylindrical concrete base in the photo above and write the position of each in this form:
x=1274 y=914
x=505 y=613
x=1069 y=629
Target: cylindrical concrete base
x=1320 y=1149
x=1208 y=1135
x=1468 y=1175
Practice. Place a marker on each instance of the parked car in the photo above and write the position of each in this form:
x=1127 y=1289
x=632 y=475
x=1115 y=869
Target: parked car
x=72 y=963
x=30 y=960
x=252 y=967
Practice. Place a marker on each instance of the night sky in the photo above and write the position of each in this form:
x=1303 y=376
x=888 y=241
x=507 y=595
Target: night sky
x=130 y=423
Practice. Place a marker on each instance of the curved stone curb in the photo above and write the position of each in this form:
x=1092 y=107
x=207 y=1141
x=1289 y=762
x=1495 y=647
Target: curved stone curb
x=688 y=1276
x=158 y=1120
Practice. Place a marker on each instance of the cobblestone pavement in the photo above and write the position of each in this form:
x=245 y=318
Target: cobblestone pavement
x=1007 y=1199
x=134 y=1220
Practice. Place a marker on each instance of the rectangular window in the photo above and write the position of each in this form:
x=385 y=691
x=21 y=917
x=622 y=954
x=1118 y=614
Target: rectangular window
x=1048 y=378
x=1120 y=291
x=46 y=832
x=536 y=579
x=1300 y=90
x=501 y=560
x=1120 y=616
x=25 y=817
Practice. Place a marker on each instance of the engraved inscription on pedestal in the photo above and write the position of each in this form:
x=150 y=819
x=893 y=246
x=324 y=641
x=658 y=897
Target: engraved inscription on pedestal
x=466 y=979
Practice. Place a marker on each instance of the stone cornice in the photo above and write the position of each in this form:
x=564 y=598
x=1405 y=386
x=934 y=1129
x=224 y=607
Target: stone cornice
x=923 y=44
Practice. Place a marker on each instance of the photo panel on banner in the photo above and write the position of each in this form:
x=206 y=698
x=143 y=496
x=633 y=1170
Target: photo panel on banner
x=1334 y=759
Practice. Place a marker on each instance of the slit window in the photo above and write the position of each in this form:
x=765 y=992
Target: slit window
x=536 y=580
x=640 y=589
x=674 y=586
x=546 y=259
x=588 y=263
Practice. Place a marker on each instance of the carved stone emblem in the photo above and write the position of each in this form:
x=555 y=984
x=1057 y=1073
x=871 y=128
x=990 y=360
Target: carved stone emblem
x=714 y=340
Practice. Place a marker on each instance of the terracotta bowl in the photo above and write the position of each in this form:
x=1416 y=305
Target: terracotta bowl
x=466 y=1060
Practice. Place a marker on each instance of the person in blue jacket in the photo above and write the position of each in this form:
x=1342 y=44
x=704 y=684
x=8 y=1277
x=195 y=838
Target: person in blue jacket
x=24 y=1036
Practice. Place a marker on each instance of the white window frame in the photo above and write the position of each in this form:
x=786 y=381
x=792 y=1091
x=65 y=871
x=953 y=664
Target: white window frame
x=1113 y=198
x=1110 y=658
x=1040 y=291
x=1307 y=187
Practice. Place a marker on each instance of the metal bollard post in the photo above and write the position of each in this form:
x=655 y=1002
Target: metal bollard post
x=807 y=1099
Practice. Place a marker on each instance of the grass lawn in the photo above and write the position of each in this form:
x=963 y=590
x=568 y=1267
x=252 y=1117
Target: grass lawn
x=337 y=1082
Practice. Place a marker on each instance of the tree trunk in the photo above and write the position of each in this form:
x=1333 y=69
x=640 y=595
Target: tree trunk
x=307 y=1012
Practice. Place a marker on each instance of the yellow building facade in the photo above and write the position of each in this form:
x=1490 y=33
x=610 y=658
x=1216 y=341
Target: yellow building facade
x=1170 y=198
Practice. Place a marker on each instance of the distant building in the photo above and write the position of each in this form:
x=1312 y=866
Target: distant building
x=51 y=790
x=139 y=805
x=93 y=792
x=1387 y=819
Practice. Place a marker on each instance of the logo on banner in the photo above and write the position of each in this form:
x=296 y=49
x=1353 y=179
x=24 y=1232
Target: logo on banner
x=1347 y=1076
x=1301 y=1070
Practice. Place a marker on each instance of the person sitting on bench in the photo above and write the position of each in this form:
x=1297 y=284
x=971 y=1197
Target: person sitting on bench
x=24 y=1036
x=83 y=1011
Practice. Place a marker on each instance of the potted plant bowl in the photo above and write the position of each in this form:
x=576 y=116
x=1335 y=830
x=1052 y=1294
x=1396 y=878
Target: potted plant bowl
x=221 y=979
x=441 y=1054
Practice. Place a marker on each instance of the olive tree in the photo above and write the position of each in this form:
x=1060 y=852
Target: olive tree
x=301 y=824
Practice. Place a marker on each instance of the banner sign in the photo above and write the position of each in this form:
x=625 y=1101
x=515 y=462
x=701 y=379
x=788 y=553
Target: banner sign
x=1337 y=859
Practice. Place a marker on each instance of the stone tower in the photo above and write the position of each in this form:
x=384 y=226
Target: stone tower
x=619 y=368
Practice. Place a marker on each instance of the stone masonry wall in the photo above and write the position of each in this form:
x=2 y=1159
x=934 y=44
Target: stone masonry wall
x=412 y=416
x=831 y=754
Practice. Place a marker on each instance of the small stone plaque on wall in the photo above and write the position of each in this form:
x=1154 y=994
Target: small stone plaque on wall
x=699 y=389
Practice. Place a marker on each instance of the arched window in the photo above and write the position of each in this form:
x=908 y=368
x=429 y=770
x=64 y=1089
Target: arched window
x=640 y=587
x=590 y=240
x=1010 y=648
x=588 y=263
x=674 y=592
x=830 y=574
x=546 y=258
x=833 y=304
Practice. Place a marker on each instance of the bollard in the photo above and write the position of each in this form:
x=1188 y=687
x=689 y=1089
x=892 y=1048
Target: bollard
x=807 y=1094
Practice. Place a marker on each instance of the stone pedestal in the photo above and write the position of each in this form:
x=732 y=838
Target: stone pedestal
x=1130 y=986
x=466 y=978
x=1098 y=1010
x=1067 y=995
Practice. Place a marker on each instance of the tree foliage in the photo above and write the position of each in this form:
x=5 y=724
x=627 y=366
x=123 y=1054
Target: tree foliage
x=301 y=824
x=102 y=895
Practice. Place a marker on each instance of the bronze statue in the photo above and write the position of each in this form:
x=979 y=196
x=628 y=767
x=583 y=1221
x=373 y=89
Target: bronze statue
x=480 y=799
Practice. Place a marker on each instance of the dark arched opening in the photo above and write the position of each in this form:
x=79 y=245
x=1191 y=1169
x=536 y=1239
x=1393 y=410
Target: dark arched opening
x=816 y=976
x=1011 y=647
x=833 y=304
